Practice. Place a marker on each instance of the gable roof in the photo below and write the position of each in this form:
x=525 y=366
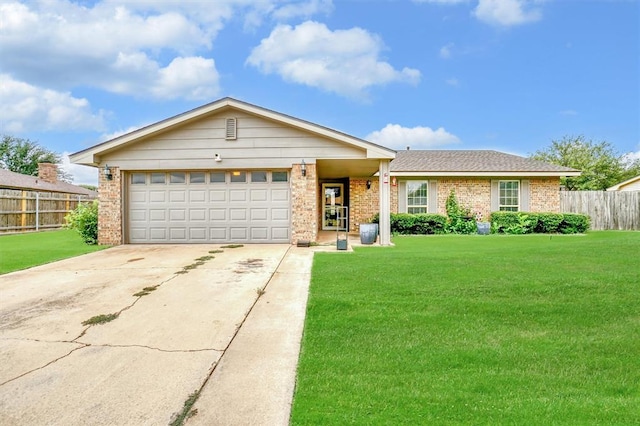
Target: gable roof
x=472 y=163
x=91 y=156
x=625 y=183
x=12 y=180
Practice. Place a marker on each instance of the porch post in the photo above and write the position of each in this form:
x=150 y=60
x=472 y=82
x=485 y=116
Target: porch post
x=385 y=204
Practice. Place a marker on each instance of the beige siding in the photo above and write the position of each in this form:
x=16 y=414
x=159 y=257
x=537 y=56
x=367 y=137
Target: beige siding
x=260 y=143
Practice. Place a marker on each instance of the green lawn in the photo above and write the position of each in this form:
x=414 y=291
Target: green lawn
x=22 y=251
x=493 y=329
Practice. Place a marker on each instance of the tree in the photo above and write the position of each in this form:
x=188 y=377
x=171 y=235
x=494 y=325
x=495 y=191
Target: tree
x=23 y=155
x=600 y=164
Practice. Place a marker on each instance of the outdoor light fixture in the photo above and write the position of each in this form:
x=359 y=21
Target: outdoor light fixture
x=107 y=172
x=303 y=168
x=218 y=158
x=368 y=184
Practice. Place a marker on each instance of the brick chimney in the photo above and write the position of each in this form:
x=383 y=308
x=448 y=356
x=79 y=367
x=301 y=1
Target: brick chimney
x=48 y=172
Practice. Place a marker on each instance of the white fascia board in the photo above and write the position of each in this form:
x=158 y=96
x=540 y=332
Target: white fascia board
x=485 y=174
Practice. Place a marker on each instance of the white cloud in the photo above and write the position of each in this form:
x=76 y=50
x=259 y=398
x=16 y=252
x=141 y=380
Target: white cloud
x=29 y=108
x=630 y=157
x=398 y=137
x=82 y=175
x=345 y=62
x=452 y=82
x=445 y=51
x=506 y=12
x=190 y=78
x=303 y=10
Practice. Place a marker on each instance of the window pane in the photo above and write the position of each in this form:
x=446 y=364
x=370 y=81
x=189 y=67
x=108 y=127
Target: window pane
x=509 y=195
x=177 y=177
x=417 y=197
x=279 y=176
x=196 y=177
x=138 y=179
x=158 y=177
x=258 y=176
x=238 y=177
x=216 y=177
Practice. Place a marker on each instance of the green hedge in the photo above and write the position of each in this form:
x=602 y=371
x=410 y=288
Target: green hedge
x=416 y=224
x=542 y=223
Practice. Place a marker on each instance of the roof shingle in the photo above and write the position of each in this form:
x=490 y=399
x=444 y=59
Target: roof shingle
x=12 y=180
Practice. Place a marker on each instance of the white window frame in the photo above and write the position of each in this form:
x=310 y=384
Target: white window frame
x=421 y=208
x=509 y=207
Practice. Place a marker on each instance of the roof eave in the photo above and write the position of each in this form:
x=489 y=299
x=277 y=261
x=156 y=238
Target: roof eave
x=483 y=174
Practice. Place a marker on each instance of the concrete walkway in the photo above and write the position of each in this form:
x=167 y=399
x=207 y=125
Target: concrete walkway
x=228 y=329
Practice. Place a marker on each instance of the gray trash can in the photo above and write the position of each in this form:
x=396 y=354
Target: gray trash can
x=368 y=233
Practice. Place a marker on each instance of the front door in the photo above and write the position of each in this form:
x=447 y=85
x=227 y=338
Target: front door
x=333 y=216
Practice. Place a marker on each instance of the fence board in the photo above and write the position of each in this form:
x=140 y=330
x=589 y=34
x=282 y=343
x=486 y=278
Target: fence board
x=619 y=210
x=22 y=211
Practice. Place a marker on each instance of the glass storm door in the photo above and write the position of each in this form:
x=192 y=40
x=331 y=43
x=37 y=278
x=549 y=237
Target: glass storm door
x=333 y=194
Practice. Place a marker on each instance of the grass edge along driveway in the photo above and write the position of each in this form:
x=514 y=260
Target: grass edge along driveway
x=474 y=330
x=22 y=251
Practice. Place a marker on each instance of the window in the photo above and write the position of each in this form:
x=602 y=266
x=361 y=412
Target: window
x=138 y=179
x=158 y=177
x=196 y=177
x=417 y=196
x=509 y=195
x=238 y=177
x=177 y=177
x=279 y=176
x=216 y=177
x=258 y=177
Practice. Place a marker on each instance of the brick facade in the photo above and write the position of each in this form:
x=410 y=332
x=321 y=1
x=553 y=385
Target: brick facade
x=110 y=209
x=304 y=204
x=472 y=193
x=48 y=172
x=363 y=202
x=545 y=195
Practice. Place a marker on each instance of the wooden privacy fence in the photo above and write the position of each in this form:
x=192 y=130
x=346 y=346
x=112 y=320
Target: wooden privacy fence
x=22 y=211
x=607 y=210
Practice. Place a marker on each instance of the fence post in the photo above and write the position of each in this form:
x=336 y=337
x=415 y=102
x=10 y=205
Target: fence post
x=37 y=211
x=23 y=217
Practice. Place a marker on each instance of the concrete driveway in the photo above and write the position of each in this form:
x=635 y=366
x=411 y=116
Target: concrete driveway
x=227 y=328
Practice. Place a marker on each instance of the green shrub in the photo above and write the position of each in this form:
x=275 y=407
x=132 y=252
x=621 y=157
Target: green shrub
x=574 y=223
x=84 y=219
x=544 y=223
x=415 y=224
x=459 y=219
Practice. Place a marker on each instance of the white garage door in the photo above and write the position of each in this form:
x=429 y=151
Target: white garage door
x=209 y=207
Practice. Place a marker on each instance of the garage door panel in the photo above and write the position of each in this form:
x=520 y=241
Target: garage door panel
x=238 y=234
x=157 y=197
x=258 y=195
x=237 y=214
x=199 y=196
x=157 y=215
x=238 y=195
x=198 y=234
x=219 y=195
x=280 y=195
x=178 y=196
x=178 y=215
x=217 y=215
x=208 y=212
x=259 y=234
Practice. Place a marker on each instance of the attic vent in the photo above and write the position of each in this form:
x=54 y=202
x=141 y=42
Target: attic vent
x=231 y=129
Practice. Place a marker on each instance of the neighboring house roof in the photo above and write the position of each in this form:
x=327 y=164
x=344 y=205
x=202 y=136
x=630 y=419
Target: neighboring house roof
x=472 y=163
x=12 y=180
x=632 y=184
x=91 y=156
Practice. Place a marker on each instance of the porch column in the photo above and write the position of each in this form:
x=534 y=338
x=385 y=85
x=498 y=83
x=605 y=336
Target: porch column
x=385 y=203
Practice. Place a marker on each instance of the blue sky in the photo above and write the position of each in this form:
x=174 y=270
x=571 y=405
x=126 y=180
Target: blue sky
x=510 y=75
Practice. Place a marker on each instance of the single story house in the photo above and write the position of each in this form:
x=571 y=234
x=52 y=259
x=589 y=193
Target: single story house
x=46 y=181
x=230 y=171
x=632 y=184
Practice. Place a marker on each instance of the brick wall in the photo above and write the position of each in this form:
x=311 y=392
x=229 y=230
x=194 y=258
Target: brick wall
x=304 y=204
x=110 y=209
x=363 y=202
x=472 y=193
x=545 y=195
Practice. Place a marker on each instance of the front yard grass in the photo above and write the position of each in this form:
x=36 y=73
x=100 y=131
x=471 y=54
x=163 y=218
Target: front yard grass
x=21 y=251
x=474 y=330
